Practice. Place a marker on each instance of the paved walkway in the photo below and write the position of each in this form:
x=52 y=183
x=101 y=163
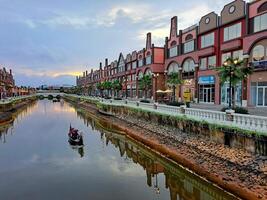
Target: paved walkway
x=253 y=111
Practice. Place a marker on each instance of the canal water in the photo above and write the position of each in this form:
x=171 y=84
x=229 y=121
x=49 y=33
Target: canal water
x=36 y=161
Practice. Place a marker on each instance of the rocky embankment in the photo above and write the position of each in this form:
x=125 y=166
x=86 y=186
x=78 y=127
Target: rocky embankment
x=239 y=172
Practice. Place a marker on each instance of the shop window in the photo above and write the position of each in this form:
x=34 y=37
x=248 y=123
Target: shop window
x=232 y=32
x=260 y=23
x=207 y=40
x=258 y=53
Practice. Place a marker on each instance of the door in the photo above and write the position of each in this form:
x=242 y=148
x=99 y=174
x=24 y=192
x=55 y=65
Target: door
x=208 y=95
x=262 y=96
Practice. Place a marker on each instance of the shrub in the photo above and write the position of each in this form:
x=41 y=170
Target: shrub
x=237 y=109
x=175 y=103
x=144 y=101
x=50 y=97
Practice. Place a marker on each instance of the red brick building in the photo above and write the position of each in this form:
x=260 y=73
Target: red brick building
x=240 y=31
x=7 y=83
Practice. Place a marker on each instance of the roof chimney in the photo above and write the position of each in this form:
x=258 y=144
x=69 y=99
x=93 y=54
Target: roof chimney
x=173 y=27
x=106 y=62
x=148 y=40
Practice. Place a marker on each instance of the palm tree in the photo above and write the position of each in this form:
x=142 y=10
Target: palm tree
x=174 y=80
x=107 y=85
x=90 y=88
x=116 y=86
x=100 y=87
x=145 y=83
x=233 y=71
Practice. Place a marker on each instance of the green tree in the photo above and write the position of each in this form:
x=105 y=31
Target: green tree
x=174 y=80
x=107 y=86
x=100 y=87
x=233 y=71
x=116 y=86
x=145 y=83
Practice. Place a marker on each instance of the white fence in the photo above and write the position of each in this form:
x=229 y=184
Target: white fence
x=243 y=121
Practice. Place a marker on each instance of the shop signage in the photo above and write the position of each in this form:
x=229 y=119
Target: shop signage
x=188 y=82
x=206 y=80
x=260 y=64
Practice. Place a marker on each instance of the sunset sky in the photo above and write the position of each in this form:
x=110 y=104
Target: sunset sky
x=51 y=41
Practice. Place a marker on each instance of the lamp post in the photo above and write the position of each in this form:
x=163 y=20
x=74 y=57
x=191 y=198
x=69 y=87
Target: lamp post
x=156 y=77
x=231 y=64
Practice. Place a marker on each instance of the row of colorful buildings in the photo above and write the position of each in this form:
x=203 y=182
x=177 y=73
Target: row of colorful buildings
x=239 y=31
x=8 y=87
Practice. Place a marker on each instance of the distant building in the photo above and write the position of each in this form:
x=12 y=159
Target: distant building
x=7 y=83
x=240 y=31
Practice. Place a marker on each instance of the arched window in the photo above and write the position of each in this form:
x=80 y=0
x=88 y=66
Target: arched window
x=189 y=65
x=189 y=37
x=140 y=75
x=258 y=53
x=173 y=68
x=173 y=43
x=148 y=72
x=262 y=8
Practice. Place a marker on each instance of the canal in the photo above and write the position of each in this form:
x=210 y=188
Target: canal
x=36 y=161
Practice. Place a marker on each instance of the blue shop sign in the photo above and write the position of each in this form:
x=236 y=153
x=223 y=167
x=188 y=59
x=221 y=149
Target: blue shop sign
x=206 y=80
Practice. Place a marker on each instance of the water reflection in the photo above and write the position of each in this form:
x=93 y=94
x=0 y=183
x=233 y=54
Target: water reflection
x=39 y=162
x=7 y=129
x=180 y=183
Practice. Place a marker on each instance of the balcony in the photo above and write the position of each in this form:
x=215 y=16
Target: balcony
x=259 y=65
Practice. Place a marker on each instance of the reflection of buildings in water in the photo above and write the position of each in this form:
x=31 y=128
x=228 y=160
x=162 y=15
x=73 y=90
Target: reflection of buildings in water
x=8 y=129
x=181 y=183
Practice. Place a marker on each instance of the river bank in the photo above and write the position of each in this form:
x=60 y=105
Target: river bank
x=8 y=108
x=236 y=170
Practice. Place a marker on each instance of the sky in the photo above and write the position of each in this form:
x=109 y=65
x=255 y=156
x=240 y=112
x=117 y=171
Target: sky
x=52 y=41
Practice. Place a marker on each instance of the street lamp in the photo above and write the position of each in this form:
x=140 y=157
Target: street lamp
x=231 y=64
x=156 y=80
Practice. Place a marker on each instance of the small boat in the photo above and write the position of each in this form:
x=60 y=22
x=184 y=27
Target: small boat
x=75 y=138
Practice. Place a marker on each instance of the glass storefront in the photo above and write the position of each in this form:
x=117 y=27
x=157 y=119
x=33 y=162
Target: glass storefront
x=206 y=91
x=225 y=94
x=258 y=94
